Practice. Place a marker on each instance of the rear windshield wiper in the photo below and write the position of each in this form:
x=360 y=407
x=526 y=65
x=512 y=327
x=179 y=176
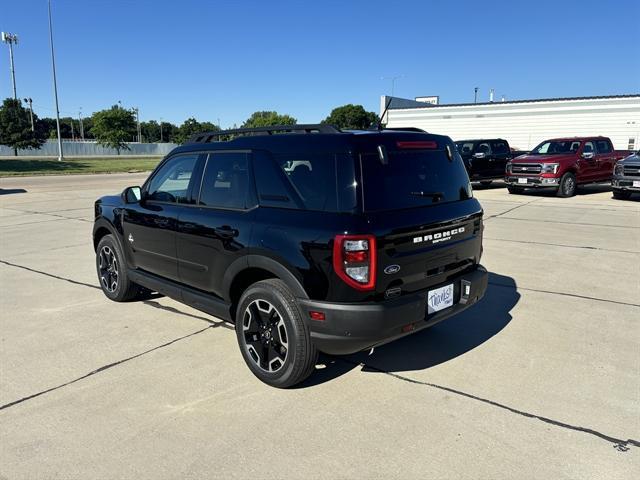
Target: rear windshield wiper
x=435 y=196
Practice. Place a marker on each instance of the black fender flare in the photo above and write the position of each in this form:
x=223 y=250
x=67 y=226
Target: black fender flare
x=265 y=263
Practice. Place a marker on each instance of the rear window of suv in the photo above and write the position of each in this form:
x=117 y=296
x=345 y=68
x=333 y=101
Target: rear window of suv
x=413 y=178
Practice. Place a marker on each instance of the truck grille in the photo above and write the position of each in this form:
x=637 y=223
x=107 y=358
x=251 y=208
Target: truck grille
x=526 y=168
x=631 y=171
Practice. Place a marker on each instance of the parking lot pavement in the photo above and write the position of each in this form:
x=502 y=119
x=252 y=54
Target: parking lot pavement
x=539 y=380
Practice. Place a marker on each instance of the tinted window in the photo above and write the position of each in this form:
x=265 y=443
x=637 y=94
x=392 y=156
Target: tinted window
x=321 y=182
x=588 y=148
x=226 y=181
x=171 y=182
x=483 y=148
x=465 y=148
x=413 y=179
x=499 y=148
x=603 y=146
x=556 y=147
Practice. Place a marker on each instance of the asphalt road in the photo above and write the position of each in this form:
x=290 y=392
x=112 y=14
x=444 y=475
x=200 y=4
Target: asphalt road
x=539 y=380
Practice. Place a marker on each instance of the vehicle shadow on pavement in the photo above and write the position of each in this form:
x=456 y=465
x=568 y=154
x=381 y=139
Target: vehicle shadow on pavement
x=433 y=346
x=9 y=191
x=582 y=190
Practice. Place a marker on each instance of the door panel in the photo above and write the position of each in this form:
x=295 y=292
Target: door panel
x=150 y=225
x=480 y=166
x=588 y=168
x=605 y=159
x=216 y=233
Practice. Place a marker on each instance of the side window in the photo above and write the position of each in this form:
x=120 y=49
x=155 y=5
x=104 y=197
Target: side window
x=313 y=178
x=499 y=148
x=588 y=147
x=603 y=146
x=226 y=181
x=171 y=182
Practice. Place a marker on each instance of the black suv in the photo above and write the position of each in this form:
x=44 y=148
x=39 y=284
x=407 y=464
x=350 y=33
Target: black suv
x=485 y=160
x=308 y=238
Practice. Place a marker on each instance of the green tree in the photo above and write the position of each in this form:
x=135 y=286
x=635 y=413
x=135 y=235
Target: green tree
x=190 y=127
x=351 y=117
x=150 y=131
x=15 y=127
x=268 y=119
x=114 y=127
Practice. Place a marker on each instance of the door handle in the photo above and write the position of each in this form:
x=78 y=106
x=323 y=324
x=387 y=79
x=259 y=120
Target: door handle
x=225 y=231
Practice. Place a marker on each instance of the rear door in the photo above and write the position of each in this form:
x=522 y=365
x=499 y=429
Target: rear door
x=501 y=154
x=215 y=232
x=589 y=169
x=428 y=226
x=605 y=159
x=150 y=225
x=481 y=160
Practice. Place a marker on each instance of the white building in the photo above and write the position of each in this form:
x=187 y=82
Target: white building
x=525 y=123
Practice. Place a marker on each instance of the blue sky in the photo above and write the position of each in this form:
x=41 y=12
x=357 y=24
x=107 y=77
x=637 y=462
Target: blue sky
x=224 y=59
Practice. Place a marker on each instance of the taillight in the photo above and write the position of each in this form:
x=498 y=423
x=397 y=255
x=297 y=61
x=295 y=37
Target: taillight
x=429 y=144
x=354 y=260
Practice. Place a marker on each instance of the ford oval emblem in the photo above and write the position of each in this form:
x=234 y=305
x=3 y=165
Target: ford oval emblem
x=391 y=269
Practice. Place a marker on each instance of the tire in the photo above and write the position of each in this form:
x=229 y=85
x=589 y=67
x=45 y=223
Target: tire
x=486 y=183
x=621 y=195
x=112 y=272
x=568 y=186
x=272 y=335
x=515 y=190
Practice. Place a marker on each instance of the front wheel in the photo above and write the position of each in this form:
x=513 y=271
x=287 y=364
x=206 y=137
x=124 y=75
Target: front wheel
x=112 y=272
x=568 y=185
x=621 y=194
x=273 y=337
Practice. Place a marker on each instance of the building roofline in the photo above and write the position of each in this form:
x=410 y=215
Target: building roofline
x=511 y=102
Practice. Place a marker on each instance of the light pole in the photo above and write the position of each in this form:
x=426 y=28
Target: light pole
x=160 y=129
x=81 y=124
x=393 y=82
x=30 y=102
x=55 y=85
x=475 y=95
x=11 y=39
x=138 y=124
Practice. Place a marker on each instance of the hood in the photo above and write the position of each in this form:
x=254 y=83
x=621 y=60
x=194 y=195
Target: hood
x=631 y=160
x=544 y=158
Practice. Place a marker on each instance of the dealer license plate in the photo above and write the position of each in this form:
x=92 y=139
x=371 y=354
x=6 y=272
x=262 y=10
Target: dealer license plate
x=522 y=180
x=636 y=183
x=439 y=299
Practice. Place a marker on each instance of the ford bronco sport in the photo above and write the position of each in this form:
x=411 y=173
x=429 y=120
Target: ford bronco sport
x=308 y=238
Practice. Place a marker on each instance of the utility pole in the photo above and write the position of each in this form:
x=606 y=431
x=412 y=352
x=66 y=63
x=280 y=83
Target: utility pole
x=160 y=129
x=30 y=102
x=11 y=39
x=393 y=82
x=81 y=124
x=475 y=95
x=138 y=124
x=73 y=135
x=55 y=85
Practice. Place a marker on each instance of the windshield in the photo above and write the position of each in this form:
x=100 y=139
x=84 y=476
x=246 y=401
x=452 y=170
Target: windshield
x=555 y=147
x=413 y=179
x=464 y=148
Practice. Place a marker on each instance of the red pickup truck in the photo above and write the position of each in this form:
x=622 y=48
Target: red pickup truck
x=563 y=164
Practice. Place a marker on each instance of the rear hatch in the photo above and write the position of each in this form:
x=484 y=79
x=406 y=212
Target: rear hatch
x=427 y=224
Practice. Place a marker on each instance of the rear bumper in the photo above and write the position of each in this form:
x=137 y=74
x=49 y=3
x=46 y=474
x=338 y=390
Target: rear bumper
x=624 y=183
x=350 y=328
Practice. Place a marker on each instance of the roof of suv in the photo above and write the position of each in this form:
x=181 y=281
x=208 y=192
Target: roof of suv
x=292 y=138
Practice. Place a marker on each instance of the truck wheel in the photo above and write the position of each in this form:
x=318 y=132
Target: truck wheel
x=568 y=185
x=485 y=183
x=273 y=337
x=112 y=272
x=621 y=194
x=515 y=190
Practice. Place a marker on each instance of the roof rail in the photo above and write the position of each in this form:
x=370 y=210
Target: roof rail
x=206 y=137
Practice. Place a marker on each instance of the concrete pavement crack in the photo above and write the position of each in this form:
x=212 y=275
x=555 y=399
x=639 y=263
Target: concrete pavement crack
x=618 y=443
x=106 y=367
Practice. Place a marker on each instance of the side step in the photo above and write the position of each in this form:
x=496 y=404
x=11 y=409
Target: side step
x=190 y=296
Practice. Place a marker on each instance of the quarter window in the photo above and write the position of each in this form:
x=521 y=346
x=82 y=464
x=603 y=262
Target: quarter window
x=171 y=181
x=226 y=181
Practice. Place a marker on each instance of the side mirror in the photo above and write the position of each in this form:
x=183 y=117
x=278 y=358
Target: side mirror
x=479 y=155
x=588 y=155
x=132 y=195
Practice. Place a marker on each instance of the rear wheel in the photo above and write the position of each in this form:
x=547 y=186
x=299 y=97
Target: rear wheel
x=112 y=272
x=568 y=185
x=515 y=190
x=273 y=337
x=621 y=194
